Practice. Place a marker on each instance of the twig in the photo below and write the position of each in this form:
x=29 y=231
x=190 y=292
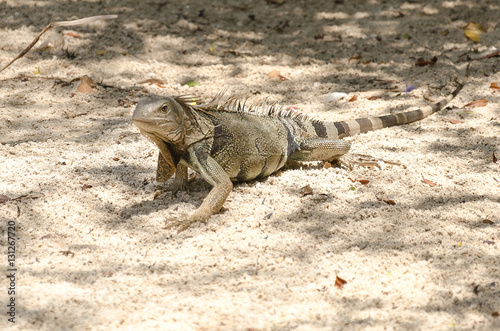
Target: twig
x=56 y=24
x=487 y=56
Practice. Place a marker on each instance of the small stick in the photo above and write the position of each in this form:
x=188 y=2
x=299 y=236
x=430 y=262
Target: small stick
x=487 y=56
x=56 y=24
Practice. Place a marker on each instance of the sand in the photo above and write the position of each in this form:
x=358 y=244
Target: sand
x=92 y=251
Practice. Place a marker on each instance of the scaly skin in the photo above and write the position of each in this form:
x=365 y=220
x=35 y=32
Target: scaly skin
x=228 y=142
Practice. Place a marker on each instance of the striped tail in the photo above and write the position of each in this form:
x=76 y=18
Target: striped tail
x=349 y=128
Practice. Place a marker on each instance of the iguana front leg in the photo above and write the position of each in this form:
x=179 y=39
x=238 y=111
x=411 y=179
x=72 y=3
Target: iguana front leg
x=165 y=170
x=213 y=173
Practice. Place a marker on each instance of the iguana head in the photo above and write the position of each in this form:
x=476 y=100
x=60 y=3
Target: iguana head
x=161 y=119
x=172 y=120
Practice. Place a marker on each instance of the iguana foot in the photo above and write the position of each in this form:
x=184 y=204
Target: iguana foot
x=185 y=221
x=159 y=190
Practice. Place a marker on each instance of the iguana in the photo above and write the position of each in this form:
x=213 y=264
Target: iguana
x=227 y=141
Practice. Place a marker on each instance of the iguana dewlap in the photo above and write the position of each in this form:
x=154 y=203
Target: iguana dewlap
x=227 y=141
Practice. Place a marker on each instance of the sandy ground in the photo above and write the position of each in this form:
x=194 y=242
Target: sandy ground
x=92 y=251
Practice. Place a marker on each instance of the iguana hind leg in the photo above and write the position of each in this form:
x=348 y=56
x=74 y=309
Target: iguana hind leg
x=320 y=149
x=213 y=173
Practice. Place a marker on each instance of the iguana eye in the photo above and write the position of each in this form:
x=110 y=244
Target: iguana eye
x=165 y=108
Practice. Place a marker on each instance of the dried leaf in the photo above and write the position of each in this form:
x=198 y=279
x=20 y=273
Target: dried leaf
x=473 y=31
x=339 y=282
x=494 y=158
x=151 y=81
x=306 y=190
x=116 y=159
x=353 y=98
x=477 y=103
x=495 y=86
x=86 y=187
x=452 y=121
x=489 y=242
x=273 y=74
x=421 y=62
x=72 y=34
x=386 y=200
x=362 y=181
x=327 y=165
x=85 y=85
x=373 y=97
x=428 y=182
x=495 y=314
x=487 y=221
x=4 y=198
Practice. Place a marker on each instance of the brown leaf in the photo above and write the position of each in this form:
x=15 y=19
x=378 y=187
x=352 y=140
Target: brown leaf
x=86 y=187
x=421 y=62
x=4 y=198
x=116 y=159
x=386 y=200
x=495 y=86
x=85 y=85
x=494 y=158
x=339 y=282
x=72 y=34
x=373 y=97
x=306 y=190
x=495 y=314
x=452 y=121
x=428 y=182
x=362 y=181
x=487 y=221
x=477 y=103
x=152 y=81
x=327 y=165
x=273 y=74
x=353 y=98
